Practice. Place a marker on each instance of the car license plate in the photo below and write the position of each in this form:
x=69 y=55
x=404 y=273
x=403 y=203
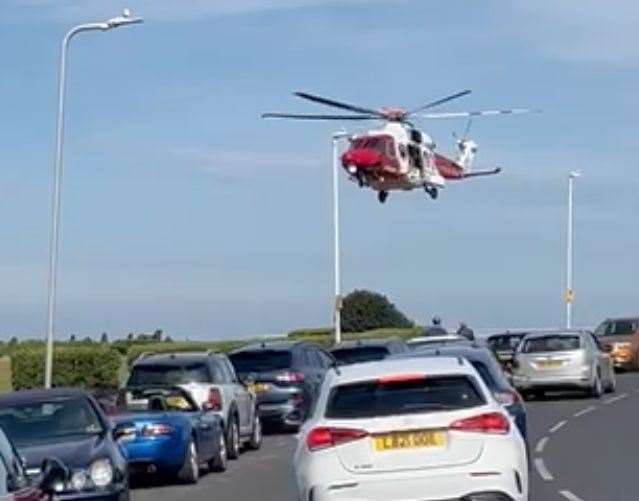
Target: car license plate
x=409 y=440
x=259 y=387
x=550 y=364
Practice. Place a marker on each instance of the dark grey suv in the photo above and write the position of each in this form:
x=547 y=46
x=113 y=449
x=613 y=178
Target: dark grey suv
x=286 y=377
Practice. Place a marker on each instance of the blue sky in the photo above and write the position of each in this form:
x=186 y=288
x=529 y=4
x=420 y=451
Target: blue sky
x=184 y=210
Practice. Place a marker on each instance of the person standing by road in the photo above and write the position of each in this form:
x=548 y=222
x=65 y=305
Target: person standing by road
x=436 y=328
x=465 y=331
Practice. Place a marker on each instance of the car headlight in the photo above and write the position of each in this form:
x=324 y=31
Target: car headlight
x=101 y=472
x=621 y=346
x=78 y=480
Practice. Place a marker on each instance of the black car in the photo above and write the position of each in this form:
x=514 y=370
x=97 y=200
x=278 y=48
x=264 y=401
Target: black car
x=504 y=346
x=69 y=425
x=286 y=376
x=367 y=350
x=491 y=373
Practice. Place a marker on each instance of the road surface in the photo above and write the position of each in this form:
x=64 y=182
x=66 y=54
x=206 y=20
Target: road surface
x=581 y=449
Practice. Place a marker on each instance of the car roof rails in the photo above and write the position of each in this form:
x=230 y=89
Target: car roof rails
x=212 y=352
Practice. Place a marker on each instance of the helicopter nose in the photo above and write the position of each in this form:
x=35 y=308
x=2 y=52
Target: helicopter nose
x=362 y=158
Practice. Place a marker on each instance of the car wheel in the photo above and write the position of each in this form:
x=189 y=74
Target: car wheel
x=597 y=390
x=612 y=386
x=256 y=435
x=190 y=471
x=219 y=462
x=233 y=439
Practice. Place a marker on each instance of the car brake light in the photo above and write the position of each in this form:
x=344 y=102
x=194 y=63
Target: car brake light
x=153 y=430
x=290 y=377
x=325 y=437
x=400 y=378
x=494 y=423
x=214 y=402
x=507 y=397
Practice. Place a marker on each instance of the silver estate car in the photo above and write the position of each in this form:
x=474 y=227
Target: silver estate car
x=555 y=361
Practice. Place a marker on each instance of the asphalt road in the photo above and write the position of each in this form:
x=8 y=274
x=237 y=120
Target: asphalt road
x=581 y=449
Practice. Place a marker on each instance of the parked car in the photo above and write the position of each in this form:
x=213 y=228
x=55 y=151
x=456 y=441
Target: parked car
x=420 y=341
x=210 y=378
x=504 y=346
x=286 y=376
x=69 y=425
x=568 y=360
x=622 y=335
x=366 y=350
x=491 y=373
x=15 y=485
x=403 y=429
x=162 y=430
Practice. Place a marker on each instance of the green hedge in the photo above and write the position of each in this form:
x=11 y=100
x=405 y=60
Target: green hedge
x=85 y=366
x=310 y=333
x=324 y=336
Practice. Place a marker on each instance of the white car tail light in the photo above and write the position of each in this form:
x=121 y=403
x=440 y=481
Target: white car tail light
x=214 y=401
x=290 y=377
x=153 y=430
x=494 y=423
x=324 y=437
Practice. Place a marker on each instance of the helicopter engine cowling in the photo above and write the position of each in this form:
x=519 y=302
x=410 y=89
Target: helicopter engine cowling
x=361 y=158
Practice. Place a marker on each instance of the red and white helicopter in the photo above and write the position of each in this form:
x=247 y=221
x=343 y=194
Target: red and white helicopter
x=398 y=156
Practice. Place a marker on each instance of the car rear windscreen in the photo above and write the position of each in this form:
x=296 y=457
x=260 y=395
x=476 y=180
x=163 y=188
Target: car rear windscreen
x=550 y=343
x=360 y=354
x=507 y=343
x=169 y=374
x=373 y=399
x=261 y=361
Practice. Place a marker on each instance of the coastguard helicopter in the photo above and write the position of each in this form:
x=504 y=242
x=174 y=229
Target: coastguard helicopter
x=398 y=156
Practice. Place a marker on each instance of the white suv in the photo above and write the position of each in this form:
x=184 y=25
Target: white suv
x=210 y=378
x=422 y=429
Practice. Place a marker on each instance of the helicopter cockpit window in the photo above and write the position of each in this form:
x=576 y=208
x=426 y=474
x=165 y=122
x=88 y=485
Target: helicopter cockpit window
x=358 y=143
x=382 y=144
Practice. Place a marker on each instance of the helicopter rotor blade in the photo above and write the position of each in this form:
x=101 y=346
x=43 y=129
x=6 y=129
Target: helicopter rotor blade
x=337 y=104
x=482 y=113
x=443 y=100
x=295 y=116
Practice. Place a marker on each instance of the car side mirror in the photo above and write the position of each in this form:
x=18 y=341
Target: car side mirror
x=123 y=431
x=55 y=475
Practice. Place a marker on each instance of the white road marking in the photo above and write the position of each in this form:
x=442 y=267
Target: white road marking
x=583 y=412
x=616 y=399
x=541 y=444
x=570 y=496
x=557 y=427
x=543 y=471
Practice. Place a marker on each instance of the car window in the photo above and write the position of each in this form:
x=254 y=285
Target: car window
x=43 y=420
x=229 y=370
x=621 y=328
x=265 y=360
x=551 y=343
x=485 y=374
x=220 y=373
x=327 y=360
x=314 y=358
x=169 y=374
x=370 y=399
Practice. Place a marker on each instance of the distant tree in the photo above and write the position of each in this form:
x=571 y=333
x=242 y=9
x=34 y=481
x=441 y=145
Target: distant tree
x=168 y=339
x=130 y=336
x=72 y=338
x=104 y=339
x=13 y=341
x=157 y=335
x=364 y=310
x=87 y=340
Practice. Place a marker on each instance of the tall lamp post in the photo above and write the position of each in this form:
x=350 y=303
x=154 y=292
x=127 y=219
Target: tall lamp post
x=569 y=297
x=122 y=20
x=337 y=314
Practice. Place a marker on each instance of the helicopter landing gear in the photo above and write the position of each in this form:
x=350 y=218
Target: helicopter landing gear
x=432 y=191
x=382 y=196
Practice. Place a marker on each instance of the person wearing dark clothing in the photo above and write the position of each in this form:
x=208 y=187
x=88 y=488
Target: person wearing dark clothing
x=436 y=328
x=465 y=331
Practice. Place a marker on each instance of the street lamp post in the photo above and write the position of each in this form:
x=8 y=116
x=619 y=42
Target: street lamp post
x=569 y=250
x=54 y=243
x=337 y=314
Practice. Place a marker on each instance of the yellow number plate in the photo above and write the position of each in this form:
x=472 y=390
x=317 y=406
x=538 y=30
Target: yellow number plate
x=409 y=440
x=259 y=387
x=550 y=364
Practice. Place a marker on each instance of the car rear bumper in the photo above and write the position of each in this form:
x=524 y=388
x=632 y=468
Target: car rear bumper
x=282 y=414
x=160 y=453
x=566 y=382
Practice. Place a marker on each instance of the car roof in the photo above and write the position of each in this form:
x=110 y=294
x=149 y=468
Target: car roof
x=356 y=343
x=472 y=352
x=561 y=333
x=509 y=334
x=372 y=370
x=174 y=358
x=272 y=345
x=26 y=396
x=622 y=319
x=447 y=337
